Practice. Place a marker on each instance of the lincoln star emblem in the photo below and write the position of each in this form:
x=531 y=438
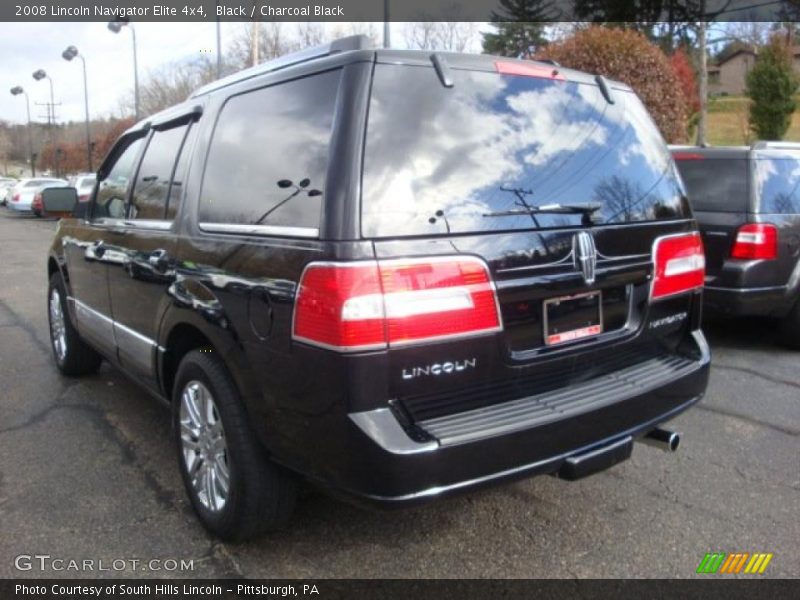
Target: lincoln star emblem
x=585 y=255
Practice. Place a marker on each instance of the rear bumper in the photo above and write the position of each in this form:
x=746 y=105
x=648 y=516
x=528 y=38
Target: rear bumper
x=381 y=464
x=20 y=206
x=773 y=301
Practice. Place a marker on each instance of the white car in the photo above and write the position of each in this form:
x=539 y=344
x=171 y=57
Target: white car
x=84 y=184
x=21 y=195
x=6 y=183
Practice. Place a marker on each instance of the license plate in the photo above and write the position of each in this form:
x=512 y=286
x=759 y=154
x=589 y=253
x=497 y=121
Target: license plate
x=570 y=318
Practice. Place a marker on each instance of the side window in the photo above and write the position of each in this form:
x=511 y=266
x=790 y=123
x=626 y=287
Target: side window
x=151 y=190
x=112 y=192
x=778 y=185
x=269 y=155
x=181 y=171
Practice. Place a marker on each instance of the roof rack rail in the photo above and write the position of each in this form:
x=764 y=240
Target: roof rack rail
x=762 y=145
x=355 y=42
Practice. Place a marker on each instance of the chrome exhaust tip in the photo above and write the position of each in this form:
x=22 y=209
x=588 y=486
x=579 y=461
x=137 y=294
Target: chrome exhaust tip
x=665 y=440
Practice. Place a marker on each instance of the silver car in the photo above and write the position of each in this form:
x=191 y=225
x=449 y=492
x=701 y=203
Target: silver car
x=84 y=184
x=21 y=195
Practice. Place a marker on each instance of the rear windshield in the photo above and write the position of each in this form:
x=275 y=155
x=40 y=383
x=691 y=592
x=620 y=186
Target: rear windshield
x=440 y=159
x=777 y=183
x=87 y=183
x=715 y=184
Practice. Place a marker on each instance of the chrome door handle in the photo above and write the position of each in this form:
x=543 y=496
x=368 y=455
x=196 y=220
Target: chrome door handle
x=159 y=260
x=96 y=250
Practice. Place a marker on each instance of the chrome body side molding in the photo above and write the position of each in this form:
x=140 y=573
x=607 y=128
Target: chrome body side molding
x=265 y=230
x=132 y=346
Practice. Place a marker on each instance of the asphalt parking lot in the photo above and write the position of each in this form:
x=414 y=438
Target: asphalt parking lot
x=87 y=471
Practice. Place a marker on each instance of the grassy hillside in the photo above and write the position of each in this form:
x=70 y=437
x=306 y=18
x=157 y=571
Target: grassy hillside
x=727 y=122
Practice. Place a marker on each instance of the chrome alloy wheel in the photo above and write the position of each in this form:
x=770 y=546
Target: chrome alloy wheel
x=205 y=452
x=58 y=329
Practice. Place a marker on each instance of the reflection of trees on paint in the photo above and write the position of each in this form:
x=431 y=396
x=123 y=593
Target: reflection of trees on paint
x=619 y=197
x=783 y=203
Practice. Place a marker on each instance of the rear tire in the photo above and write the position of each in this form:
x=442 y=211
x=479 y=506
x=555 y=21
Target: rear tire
x=790 y=328
x=73 y=356
x=235 y=490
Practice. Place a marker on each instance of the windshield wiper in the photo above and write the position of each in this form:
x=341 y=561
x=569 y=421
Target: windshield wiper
x=550 y=209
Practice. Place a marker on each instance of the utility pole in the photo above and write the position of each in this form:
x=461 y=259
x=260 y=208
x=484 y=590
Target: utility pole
x=254 y=35
x=701 y=40
x=387 y=26
x=255 y=31
x=219 y=49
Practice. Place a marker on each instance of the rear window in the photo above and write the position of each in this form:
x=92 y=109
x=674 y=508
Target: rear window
x=777 y=184
x=716 y=184
x=439 y=159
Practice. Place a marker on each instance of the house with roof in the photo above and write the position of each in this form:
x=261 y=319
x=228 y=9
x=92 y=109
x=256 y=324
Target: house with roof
x=728 y=76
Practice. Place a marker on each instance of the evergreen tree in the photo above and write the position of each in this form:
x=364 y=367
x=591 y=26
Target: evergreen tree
x=520 y=27
x=771 y=85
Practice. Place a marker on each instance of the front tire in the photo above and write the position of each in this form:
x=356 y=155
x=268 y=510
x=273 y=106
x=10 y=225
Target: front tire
x=234 y=489
x=73 y=356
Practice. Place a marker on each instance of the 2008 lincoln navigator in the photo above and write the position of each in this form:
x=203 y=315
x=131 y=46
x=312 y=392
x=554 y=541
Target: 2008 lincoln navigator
x=394 y=274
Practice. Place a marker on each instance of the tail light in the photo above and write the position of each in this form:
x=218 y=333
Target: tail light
x=756 y=241
x=15 y=197
x=528 y=69
x=680 y=265
x=687 y=156
x=372 y=305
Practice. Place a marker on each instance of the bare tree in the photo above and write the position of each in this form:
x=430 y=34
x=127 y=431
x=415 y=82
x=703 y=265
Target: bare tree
x=169 y=85
x=753 y=33
x=366 y=29
x=272 y=41
x=5 y=149
x=310 y=34
x=421 y=35
x=452 y=36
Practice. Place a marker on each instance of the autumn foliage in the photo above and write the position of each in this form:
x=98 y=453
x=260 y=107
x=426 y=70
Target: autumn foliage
x=628 y=56
x=72 y=158
x=688 y=80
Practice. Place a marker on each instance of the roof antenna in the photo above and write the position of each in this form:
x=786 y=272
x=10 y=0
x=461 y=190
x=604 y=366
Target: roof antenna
x=442 y=69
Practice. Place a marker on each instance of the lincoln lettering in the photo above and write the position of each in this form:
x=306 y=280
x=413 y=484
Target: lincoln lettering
x=444 y=368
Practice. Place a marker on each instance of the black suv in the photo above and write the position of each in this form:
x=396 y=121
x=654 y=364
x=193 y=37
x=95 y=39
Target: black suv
x=747 y=203
x=397 y=274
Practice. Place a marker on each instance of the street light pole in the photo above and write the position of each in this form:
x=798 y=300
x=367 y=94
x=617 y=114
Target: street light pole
x=38 y=75
x=16 y=91
x=68 y=54
x=116 y=26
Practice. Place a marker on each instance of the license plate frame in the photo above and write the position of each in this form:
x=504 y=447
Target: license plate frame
x=564 y=335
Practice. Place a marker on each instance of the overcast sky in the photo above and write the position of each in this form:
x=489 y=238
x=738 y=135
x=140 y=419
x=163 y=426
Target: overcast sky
x=26 y=47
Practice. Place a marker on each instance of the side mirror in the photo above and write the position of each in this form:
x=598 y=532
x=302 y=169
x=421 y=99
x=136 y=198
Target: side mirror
x=59 y=201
